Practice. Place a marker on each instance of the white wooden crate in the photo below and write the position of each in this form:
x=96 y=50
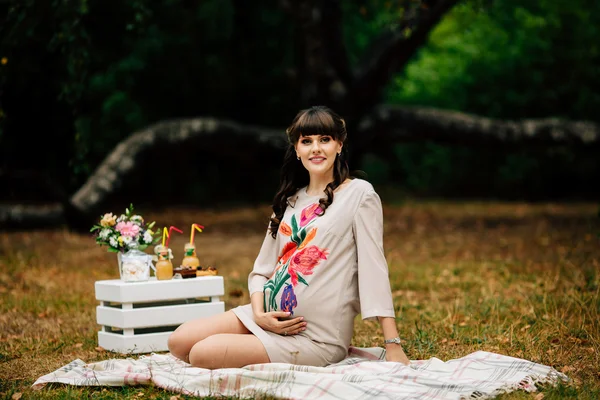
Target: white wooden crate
x=139 y=317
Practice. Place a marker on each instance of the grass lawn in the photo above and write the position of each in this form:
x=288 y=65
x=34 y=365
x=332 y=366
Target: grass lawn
x=516 y=279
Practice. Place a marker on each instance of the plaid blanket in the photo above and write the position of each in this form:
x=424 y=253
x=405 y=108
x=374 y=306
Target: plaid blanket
x=363 y=375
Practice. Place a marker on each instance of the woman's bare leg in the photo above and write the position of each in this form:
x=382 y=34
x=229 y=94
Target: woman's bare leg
x=228 y=350
x=189 y=333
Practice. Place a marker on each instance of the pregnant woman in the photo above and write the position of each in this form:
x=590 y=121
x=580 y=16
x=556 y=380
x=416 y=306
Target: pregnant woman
x=321 y=264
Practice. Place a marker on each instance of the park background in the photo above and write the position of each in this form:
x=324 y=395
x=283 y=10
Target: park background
x=477 y=121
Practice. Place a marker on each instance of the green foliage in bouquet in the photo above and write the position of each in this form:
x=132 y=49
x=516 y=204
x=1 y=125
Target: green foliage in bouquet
x=126 y=232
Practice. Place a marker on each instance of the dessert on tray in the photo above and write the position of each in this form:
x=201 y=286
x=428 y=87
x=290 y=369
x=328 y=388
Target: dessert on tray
x=186 y=272
x=206 y=271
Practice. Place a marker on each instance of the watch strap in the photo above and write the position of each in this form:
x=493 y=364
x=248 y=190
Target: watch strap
x=395 y=340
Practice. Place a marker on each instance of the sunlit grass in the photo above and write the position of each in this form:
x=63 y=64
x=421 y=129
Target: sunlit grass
x=516 y=279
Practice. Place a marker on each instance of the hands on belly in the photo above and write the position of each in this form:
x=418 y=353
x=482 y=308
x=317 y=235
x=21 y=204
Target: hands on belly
x=280 y=323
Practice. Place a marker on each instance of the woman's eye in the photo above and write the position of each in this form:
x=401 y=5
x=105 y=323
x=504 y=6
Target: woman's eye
x=325 y=139
x=306 y=141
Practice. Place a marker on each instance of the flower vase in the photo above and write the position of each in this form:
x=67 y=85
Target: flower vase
x=134 y=265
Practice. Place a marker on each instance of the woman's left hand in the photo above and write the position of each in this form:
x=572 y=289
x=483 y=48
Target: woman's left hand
x=395 y=353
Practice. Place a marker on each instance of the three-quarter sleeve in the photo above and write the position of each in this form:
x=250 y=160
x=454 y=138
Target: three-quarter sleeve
x=264 y=265
x=373 y=277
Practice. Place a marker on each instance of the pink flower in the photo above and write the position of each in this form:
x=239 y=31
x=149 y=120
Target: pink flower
x=309 y=213
x=305 y=261
x=128 y=229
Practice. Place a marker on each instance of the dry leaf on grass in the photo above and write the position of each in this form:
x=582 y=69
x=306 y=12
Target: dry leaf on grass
x=538 y=396
x=523 y=329
x=16 y=396
x=78 y=345
x=174 y=397
x=100 y=349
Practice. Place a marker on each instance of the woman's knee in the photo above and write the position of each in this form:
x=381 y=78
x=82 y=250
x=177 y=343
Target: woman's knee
x=178 y=345
x=207 y=353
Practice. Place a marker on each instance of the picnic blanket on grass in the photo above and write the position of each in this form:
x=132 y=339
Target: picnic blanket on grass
x=362 y=375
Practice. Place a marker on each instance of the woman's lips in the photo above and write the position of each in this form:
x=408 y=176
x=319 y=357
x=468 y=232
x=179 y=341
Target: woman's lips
x=317 y=160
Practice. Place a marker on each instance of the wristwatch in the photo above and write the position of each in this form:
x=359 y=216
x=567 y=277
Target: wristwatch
x=395 y=340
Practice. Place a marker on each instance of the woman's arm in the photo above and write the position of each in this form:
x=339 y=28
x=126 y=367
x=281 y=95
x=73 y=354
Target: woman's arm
x=263 y=265
x=394 y=351
x=373 y=275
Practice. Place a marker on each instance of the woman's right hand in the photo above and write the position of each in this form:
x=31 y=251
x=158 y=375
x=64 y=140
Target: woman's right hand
x=269 y=321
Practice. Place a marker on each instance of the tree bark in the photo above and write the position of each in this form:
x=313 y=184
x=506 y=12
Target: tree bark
x=388 y=124
x=322 y=61
x=390 y=53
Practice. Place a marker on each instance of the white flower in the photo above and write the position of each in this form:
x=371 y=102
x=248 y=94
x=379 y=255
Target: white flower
x=104 y=233
x=113 y=242
x=127 y=240
x=137 y=219
x=147 y=237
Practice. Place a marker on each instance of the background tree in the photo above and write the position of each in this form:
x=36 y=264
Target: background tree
x=90 y=74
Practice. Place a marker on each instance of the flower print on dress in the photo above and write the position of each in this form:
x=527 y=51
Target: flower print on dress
x=304 y=261
x=292 y=247
x=296 y=260
x=310 y=236
x=288 y=299
x=287 y=252
x=285 y=229
x=309 y=213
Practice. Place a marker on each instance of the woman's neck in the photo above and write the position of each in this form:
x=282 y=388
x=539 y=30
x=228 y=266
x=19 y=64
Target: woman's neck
x=317 y=184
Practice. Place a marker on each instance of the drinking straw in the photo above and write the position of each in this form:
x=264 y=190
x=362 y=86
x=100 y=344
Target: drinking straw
x=165 y=234
x=194 y=228
x=172 y=228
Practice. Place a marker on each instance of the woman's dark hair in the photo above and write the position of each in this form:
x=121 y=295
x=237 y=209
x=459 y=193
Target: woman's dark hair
x=316 y=120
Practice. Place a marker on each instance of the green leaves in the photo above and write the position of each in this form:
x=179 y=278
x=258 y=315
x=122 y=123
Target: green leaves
x=302 y=280
x=294 y=236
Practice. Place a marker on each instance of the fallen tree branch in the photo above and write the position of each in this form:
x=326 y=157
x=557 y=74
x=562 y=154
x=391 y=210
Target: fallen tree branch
x=402 y=124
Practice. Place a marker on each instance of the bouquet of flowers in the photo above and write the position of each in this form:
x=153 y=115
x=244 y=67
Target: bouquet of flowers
x=126 y=232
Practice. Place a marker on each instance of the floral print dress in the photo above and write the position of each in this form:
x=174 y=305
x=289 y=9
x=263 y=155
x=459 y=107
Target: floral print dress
x=326 y=268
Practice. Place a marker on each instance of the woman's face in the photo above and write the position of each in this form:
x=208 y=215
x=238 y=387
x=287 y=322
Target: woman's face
x=318 y=153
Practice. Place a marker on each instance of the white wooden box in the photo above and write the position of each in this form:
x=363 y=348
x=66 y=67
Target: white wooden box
x=138 y=317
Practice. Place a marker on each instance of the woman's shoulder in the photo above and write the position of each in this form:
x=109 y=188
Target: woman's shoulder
x=360 y=186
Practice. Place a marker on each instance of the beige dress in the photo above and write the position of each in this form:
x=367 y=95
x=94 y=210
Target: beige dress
x=325 y=268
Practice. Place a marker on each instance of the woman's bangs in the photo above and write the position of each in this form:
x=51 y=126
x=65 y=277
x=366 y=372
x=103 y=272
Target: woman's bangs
x=315 y=123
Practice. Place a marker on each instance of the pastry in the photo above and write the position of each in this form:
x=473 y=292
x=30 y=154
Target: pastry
x=206 y=271
x=185 y=271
